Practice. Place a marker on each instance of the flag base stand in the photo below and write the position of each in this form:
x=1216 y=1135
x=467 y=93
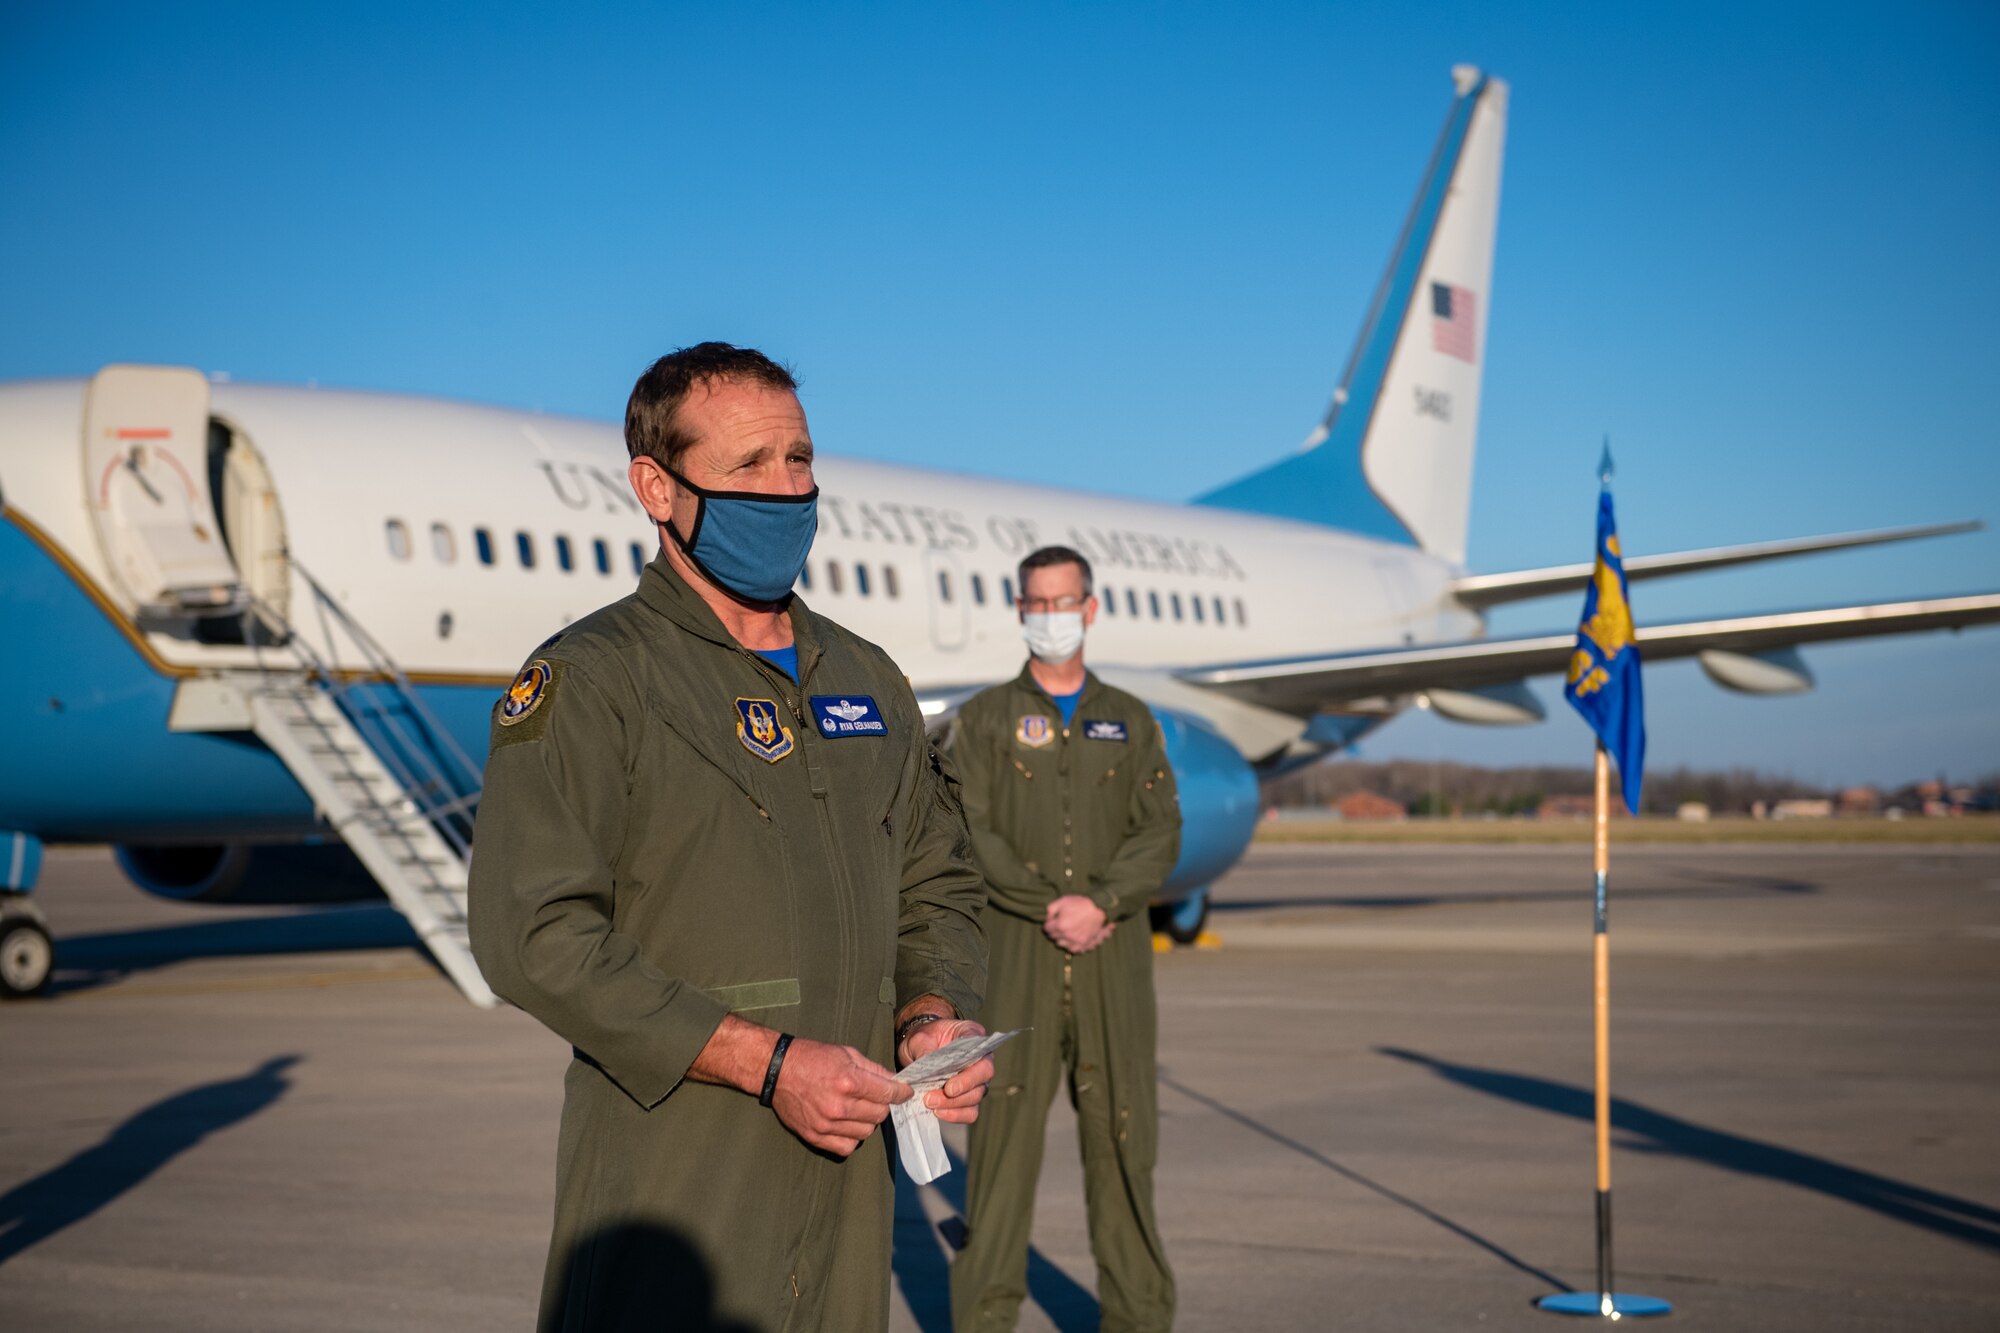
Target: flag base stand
x=1616 y=1305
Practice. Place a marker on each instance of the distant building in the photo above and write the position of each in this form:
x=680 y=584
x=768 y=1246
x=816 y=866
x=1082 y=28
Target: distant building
x=1862 y=801
x=1369 y=805
x=1572 y=807
x=1803 y=807
x=1692 y=812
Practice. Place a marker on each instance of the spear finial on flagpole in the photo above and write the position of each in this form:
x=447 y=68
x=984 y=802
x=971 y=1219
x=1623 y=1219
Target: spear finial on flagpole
x=1604 y=468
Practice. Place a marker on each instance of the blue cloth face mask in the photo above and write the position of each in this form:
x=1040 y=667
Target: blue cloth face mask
x=749 y=544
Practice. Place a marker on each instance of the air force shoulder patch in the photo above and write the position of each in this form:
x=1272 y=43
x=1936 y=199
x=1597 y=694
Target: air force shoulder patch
x=842 y=715
x=762 y=734
x=1104 y=731
x=525 y=695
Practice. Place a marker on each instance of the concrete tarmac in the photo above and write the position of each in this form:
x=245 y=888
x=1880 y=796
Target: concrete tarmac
x=1375 y=1106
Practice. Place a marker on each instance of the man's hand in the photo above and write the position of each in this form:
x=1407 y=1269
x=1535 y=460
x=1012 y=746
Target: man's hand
x=833 y=1097
x=1076 y=924
x=957 y=1102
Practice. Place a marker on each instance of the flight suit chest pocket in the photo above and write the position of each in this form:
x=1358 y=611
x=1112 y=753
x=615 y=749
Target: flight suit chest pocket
x=857 y=748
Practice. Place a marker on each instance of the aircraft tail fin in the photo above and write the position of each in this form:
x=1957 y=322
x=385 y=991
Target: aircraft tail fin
x=1393 y=458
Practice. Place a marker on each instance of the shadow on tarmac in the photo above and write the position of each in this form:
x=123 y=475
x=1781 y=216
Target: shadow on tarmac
x=1709 y=886
x=924 y=1275
x=638 y=1275
x=1319 y=1158
x=1657 y=1132
x=84 y=962
x=36 y=1209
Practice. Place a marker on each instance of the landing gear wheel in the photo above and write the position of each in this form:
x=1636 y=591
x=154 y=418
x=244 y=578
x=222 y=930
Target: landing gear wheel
x=1183 y=922
x=27 y=957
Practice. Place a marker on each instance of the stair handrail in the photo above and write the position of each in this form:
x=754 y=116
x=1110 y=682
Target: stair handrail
x=408 y=757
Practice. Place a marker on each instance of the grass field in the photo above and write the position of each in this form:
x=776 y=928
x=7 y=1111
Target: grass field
x=1968 y=829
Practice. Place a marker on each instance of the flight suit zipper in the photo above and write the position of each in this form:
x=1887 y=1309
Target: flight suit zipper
x=807 y=740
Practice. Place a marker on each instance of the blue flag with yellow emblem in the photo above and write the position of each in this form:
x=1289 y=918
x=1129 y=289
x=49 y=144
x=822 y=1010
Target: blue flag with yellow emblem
x=1604 y=669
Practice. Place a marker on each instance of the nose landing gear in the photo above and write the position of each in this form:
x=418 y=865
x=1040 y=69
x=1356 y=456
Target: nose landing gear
x=1183 y=921
x=27 y=954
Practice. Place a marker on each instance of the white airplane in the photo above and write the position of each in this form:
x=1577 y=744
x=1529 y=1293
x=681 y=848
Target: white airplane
x=259 y=630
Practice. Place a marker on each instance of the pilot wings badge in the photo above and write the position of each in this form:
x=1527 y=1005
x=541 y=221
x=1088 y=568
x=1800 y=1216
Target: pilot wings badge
x=762 y=734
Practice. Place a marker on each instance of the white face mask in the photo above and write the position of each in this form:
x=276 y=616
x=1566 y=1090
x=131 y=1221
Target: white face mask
x=1053 y=636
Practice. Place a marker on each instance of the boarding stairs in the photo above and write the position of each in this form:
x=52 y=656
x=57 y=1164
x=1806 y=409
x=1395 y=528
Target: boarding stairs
x=382 y=770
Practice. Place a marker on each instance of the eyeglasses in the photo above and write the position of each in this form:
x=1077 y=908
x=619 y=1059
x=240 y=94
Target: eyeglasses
x=1039 y=604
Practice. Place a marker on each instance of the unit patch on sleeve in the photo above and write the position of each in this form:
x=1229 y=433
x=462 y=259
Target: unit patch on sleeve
x=843 y=715
x=525 y=695
x=1104 y=731
x=762 y=734
x=1034 y=730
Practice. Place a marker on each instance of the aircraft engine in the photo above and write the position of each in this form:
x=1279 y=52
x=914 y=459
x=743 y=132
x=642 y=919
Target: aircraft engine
x=1509 y=705
x=1219 y=804
x=249 y=873
x=1778 y=671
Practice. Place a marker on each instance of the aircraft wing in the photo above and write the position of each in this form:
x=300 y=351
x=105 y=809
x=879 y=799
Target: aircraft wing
x=1308 y=684
x=1483 y=590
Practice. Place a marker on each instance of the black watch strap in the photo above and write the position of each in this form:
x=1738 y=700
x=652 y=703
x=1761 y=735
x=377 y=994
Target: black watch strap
x=912 y=1024
x=777 y=1063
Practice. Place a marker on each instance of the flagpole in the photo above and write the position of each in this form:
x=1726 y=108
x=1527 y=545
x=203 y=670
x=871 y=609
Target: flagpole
x=1588 y=677
x=1604 y=1303
x=1600 y=943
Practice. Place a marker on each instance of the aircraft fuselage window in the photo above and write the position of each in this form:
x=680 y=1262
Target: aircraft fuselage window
x=978 y=590
x=1220 y=619
x=1239 y=612
x=638 y=560
x=564 y=557
x=944 y=585
x=861 y=579
x=442 y=544
x=524 y=547
x=832 y=577
x=602 y=550
x=806 y=576
x=1175 y=598
x=1007 y=591
x=890 y=585
x=1109 y=600
x=1131 y=602
x=1198 y=616
x=1153 y=600
x=482 y=541
x=399 y=539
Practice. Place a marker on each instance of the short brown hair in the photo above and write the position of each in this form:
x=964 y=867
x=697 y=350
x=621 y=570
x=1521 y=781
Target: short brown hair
x=1054 y=555
x=652 y=414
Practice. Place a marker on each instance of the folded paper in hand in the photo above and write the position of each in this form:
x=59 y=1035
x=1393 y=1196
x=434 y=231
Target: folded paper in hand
x=918 y=1137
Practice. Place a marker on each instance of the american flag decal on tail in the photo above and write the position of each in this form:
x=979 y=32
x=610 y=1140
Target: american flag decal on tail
x=1455 y=322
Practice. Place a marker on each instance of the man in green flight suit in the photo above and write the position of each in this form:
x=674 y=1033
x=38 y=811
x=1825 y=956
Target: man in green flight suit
x=1076 y=825
x=717 y=855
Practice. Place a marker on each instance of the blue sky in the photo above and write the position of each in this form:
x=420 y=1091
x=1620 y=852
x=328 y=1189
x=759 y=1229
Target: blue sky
x=1124 y=248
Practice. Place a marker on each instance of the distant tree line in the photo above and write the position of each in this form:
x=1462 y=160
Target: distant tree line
x=1441 y=788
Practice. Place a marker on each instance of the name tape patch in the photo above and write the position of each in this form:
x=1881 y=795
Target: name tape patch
x=1104 y=731
x=842 y=715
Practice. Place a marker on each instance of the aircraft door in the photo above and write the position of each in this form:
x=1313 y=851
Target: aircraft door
x=145 y=460
x=947 y=594
x=253 y=524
